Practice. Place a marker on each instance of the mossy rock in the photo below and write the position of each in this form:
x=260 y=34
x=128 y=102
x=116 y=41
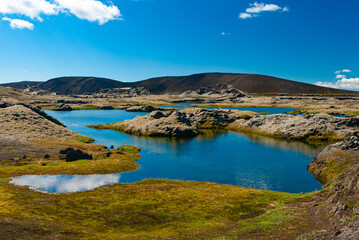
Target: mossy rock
x=129 y=149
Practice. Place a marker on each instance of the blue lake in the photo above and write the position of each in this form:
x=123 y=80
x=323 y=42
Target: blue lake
x=215 y=156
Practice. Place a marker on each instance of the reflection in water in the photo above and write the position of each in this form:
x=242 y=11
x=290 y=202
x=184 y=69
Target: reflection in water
x=66 y=183
x=308 y=149
x=214 y=156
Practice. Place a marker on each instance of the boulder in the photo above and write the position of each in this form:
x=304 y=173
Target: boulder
x=62 y=107
x=223 y=89
x=107 y=107
x=4 y=104
x=74 y=155
x=142 y=109
x=351 y=143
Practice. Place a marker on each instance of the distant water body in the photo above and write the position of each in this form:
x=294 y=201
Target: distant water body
x=216 y=156
x=265 y=110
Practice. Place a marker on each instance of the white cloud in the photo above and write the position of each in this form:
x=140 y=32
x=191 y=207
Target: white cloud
x=340 y=76
x=90 y=10
x=29 y=8
x=245 y=15
x=225 y=33
x=343 y=82
x=19 y=24
x=256 y=8
x=343 y=71
x=261 y=7
x=326 y=84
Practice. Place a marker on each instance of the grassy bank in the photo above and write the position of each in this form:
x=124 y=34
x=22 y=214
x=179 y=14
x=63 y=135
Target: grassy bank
x=151 y=209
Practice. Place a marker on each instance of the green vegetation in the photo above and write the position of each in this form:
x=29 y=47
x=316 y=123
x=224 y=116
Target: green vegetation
x=129 y=149
x=151 y=209
x=112 y=126
x=87 y=108
x=350 y=219
x=334 y=165
x=246 y=117
x=85 y=139
x=7 y=150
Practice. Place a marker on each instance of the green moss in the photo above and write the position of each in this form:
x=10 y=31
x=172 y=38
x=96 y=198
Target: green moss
x=151 y=209
x=117 y=162
x=129 y=149
x=85 y=139
x=7 y=150
x=111 y=126
x=350 y=219
x=349 y=204
x=86 y=108
x=273 y=219
x=246 y=117
x=153 y=134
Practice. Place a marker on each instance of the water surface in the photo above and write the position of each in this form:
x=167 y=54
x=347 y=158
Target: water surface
x=215 y=156
x=265 y=110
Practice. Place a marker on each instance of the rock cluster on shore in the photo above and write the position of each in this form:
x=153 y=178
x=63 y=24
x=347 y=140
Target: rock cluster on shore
x=300 y=127
x=62 y=108
x=220 y=90
x=177 y=123
x=144 y=109
x=187 y=123
x=126 y=92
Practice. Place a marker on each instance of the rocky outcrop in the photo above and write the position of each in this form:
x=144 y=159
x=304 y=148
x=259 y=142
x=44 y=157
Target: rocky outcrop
x=63 y=108
x=5 y=104
x=143 y=109
x=122 y=92
x=176 y=123
x=71 y=155
x=21 y=128
x=24 y=123
x=337 y=167
x=220 y=89
x=300 y=127
x=43 y=114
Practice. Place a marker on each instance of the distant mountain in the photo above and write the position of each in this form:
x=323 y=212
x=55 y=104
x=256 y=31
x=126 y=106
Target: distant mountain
x=71 y=85
x=21 y=85
x=248 y=83
x=79 y=85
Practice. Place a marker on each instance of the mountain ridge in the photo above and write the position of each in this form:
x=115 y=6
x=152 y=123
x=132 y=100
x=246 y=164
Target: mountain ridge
x=254 y=84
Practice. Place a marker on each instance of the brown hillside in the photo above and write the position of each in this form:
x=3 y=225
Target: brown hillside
x=249 y=83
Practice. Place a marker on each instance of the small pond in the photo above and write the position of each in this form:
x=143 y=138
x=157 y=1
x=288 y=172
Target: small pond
x=215 y=156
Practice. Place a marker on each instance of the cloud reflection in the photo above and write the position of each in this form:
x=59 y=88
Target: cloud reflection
x=66 y=183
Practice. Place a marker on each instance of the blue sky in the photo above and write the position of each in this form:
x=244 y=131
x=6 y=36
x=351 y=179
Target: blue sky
x=130 y=40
